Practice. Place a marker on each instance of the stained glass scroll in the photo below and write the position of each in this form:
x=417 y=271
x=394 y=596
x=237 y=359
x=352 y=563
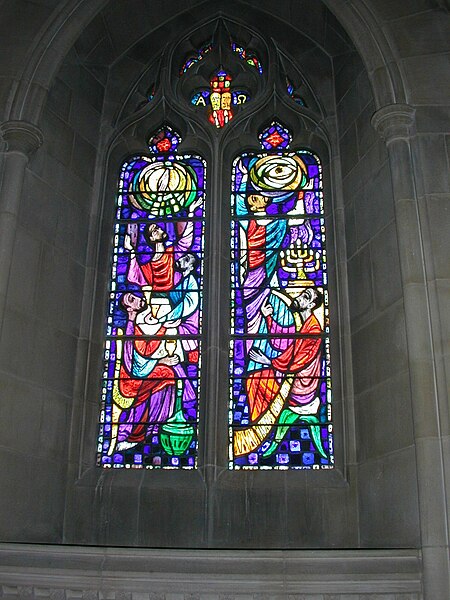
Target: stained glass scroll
x=151 y=374
x=280 y=372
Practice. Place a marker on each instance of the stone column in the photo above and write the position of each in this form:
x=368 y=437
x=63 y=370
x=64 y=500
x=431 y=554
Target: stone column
x=395 y=124
x=22 y=139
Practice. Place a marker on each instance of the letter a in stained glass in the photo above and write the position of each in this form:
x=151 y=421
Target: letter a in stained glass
x=280 y=374
x=151 y=373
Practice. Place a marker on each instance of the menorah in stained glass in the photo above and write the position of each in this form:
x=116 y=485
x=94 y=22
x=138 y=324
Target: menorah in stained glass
x=280 y=373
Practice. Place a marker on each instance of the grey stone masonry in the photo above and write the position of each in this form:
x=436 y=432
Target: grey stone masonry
x=395 y=124
x=22 y=139
x=107 y=573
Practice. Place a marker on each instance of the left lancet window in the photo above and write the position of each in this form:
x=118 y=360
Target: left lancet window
x=149 y=415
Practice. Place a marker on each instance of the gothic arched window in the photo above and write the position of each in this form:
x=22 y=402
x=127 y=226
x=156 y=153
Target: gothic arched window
x=278 y=387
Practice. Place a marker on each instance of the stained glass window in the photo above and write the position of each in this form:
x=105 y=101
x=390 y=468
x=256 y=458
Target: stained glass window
x=152 y=363
x=279 y=350
x=280 y=373
x=290 y=90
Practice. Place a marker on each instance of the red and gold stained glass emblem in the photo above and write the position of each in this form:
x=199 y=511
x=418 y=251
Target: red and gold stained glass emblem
x=219 y=99
x=274 y=139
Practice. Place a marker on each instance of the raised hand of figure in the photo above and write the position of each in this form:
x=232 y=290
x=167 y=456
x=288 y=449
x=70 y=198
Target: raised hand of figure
x=170 y=361
x=132 y=234
x=266 y=308
x=170 y=324
x=127 y=243
x=193 y=207
x=257 y=355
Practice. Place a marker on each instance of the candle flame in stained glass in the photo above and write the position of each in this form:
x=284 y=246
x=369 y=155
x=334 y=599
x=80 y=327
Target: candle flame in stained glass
x=151 y=375
x=280 y=372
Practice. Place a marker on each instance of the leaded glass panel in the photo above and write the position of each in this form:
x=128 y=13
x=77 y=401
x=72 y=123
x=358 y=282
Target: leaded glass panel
x=151 y=378
x=280 y=374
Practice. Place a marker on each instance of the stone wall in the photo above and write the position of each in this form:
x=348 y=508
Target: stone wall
x=133 y=574
x=40 y=336
x=397 y=220
x=384 y=439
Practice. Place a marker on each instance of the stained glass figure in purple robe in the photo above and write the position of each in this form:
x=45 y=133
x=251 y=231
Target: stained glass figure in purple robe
x=151 y=374
x=280 y=374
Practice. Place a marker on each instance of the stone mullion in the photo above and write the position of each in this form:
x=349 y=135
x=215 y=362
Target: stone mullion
x=213 y=432
x=22 y=139
x=395 y=123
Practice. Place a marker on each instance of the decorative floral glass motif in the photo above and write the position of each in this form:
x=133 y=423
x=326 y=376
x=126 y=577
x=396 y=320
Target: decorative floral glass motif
x=195 y=58
x=151 y=376
x=219 y=99
x=295 y=97
x=280 y=374
x=275 y=136
x=249 y=57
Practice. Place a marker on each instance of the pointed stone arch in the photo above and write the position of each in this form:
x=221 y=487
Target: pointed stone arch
x=64 y=28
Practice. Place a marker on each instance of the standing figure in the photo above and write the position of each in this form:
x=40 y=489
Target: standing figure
x=157 y=274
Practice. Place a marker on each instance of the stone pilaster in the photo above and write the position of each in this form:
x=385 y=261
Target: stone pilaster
x=22 y=139
x=396 y=125
x=394 y=122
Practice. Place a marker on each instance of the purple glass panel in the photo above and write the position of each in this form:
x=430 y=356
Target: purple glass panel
x=280 y=375
x=151 y=371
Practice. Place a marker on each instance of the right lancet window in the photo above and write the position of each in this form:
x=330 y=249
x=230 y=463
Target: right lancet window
x=280 y=373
